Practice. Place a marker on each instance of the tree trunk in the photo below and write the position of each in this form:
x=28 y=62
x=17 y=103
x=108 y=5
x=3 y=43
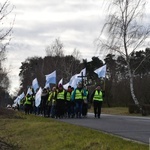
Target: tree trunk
x=131 y=86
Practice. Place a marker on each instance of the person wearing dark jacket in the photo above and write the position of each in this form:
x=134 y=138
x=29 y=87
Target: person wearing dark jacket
x=97 y=99
x=44 y=98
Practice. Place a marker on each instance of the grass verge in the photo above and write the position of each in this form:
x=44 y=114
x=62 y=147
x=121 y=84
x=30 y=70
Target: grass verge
x=38 y=133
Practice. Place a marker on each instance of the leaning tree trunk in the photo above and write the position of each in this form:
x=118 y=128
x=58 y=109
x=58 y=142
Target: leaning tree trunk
x=131 y=86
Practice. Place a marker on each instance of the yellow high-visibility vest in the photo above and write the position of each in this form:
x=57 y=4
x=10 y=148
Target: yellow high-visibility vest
x=28 y=100
x=78 y=94
x=98 y=96
x=60 y=95
x=68 y=96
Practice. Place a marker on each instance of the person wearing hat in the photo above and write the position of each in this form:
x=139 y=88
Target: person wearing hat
x=97 y=99
x=68 y=101
x=60 y=102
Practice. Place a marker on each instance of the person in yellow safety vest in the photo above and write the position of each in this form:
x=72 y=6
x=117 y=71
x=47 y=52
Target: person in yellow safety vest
x=60 y=102
x=49 y=103
x=68 y=101
x=27 y=103
x=32 y=103
x=21 y=104
x=52 y=101
x=77 y=97
x=97 y=98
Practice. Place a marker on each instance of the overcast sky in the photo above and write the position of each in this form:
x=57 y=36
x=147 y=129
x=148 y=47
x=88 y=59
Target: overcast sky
x=39 y=22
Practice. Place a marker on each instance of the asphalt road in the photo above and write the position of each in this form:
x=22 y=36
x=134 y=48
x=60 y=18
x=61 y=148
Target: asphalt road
x=132 y=128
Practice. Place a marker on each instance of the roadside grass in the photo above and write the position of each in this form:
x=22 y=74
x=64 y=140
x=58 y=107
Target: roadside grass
x=116 y=111
x=30 y=132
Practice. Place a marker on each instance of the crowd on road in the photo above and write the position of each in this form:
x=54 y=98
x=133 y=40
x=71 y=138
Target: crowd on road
x=60 y=103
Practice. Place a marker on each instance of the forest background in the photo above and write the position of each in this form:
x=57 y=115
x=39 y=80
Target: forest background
x=116 y=83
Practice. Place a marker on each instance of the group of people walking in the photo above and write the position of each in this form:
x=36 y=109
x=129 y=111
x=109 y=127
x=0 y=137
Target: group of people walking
x=60 y=103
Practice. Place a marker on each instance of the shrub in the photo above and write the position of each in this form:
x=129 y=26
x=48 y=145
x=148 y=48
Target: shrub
x=145 y=110
x=133 y=108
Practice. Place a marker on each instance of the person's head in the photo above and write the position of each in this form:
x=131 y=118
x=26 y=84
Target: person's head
x=79 y=85
x=85 y=87
x=98 y=87
x=54 y=88
x=48 y=88
x=44 y=90
x=28 y=95
x=69 y=88
x=60 y=86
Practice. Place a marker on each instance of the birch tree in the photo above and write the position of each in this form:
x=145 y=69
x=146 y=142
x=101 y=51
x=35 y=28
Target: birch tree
x=125 y=32
x=5 y=36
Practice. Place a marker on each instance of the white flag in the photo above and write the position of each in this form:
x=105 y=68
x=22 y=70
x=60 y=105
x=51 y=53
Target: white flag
x=35 y=85
x=20 y=97
x=60 y=82
x=75 y=80
x=46 y=86
x=65 y=86
x=72 y=78
x=51 y=78
x=16 y=100
x=38 y=97
x=83 y=71
x=101 y=71
x=29 y=91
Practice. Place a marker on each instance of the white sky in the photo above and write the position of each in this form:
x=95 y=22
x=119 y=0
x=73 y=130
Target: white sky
x=39 y=22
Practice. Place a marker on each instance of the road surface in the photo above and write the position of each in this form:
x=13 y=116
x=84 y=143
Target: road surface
x=133 y=128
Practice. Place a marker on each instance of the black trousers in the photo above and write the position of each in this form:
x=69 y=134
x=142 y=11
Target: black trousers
x=97 y=108
x=60 y=108
x=27 y=108
x=84 y=109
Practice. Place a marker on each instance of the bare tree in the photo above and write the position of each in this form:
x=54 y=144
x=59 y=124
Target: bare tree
x=125 y=32
x=55 y=49
x=76 y=54
x=5 y=36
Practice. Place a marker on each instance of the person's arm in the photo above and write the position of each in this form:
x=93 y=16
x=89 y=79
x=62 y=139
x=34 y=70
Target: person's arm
x=88 y=97
x=65 y=95
x=84 y=92
x=103 y=94
x=56 y=95
x=73 y=95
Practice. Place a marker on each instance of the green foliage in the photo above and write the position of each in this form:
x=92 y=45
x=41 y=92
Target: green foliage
x=134 y=108
x=117 y=77
x=145 y=110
